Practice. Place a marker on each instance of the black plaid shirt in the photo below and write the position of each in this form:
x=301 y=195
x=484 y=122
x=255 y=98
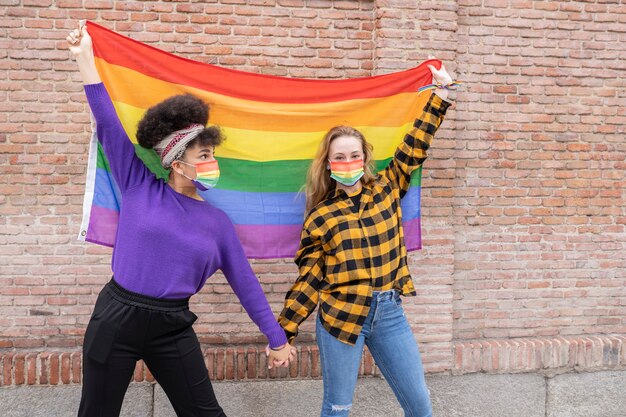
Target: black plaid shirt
x=344 y=255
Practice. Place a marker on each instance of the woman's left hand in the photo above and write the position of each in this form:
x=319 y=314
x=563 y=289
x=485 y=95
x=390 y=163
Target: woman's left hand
x=440 y=76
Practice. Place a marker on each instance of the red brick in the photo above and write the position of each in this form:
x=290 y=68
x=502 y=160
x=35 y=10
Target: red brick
x=19 y=369
x=138 y=373
x=31 y=368
x=229 y=370
x=304 y=361
x=7 y=368
x=251 y=363
x=66 y=368
x=219 y=369
x=76 y=367
x=54 y=368
x=294 y=367
x=315 y=362
x=260 y=364
x=148 y=376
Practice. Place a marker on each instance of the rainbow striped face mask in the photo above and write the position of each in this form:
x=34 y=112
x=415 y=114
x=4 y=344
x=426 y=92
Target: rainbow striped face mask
x=207 y=174
x=346 y=173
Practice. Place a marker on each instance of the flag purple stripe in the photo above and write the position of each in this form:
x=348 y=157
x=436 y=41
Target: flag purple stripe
x=281 y=241
x=413 y=234
x=271 y=240
x=103 y=226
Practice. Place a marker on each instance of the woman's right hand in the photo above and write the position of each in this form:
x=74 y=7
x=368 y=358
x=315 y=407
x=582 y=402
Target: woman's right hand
x=81 y=48
x=79 y=41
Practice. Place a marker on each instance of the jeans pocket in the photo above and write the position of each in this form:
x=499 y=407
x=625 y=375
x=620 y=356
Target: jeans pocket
x=397 y=298
x=398 y=302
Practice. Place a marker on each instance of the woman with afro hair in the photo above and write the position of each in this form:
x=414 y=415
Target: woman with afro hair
x=169 y=241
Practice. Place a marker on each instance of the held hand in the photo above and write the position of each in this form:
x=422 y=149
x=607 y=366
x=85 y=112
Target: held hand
x=79 y=41
x=440 y=76
x=281 y=357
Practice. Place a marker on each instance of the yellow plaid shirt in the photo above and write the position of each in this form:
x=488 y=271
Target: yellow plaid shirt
x=344 y=255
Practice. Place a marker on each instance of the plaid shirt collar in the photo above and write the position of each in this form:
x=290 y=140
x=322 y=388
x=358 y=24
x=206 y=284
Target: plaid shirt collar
x=340 y=194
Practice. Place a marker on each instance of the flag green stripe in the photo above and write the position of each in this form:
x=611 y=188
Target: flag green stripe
x=251 y=176
x=148 y=156
x=275 y=176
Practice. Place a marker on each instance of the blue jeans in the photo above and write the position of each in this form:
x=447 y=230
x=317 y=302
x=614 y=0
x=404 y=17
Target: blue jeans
x=389 y=338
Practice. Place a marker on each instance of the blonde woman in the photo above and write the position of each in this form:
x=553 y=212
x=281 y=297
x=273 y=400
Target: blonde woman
x=352 y=262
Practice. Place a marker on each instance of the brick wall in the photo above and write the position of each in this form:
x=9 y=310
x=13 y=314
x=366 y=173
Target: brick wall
x=539 y=216
x=524 y=219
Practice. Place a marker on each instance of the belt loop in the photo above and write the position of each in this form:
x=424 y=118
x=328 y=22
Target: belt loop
x=385 y=295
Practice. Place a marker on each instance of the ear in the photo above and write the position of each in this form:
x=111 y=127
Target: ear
x=175 y=166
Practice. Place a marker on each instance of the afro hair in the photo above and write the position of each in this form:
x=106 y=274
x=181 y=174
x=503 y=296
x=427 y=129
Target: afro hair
x=170 y=115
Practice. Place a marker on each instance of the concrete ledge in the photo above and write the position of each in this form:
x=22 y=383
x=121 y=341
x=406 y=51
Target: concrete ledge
x=601 y=394
x=517 y=395
x=63 y=401
x=595 y=394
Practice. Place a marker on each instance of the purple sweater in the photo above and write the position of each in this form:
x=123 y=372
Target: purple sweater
x=168 y=244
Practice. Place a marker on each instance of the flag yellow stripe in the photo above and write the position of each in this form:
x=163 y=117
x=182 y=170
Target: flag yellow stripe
x=260 y=146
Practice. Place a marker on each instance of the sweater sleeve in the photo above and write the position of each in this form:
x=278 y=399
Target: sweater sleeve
x=126 y=167
x=246 y=286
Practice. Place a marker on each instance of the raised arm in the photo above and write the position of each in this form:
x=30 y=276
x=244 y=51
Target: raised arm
x=128 y=170
x=412 y=152
x=81 y=47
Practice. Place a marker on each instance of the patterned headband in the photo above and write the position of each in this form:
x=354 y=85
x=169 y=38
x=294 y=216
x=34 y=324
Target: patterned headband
x=174 y=145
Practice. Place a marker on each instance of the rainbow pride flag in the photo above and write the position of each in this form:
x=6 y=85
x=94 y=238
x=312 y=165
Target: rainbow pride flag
x=273 y=127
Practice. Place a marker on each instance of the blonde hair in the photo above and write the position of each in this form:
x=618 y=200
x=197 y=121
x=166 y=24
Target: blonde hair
x=318 y=181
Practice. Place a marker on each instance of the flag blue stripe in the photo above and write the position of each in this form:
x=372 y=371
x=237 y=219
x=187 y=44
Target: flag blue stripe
x=248 y=208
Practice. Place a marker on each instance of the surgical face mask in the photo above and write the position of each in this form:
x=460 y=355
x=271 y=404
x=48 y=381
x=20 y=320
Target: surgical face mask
x=346 y=173
x=207 y=174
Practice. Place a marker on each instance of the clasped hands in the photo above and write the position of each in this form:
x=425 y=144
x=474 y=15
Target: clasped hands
x=280 y=357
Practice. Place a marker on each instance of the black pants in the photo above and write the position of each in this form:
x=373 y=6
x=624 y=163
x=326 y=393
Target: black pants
x=126 y=327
